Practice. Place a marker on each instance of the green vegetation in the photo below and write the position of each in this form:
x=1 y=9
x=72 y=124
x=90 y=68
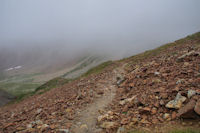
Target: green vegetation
x=97 y=69
x=16 y=89
x=83 y=64
x=2 y=75
x=56 y=82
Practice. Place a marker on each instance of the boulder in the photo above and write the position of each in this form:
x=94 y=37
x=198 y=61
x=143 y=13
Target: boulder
x=187 y=111
x=197 y=107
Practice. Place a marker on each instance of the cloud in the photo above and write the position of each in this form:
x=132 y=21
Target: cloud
x=116 y=27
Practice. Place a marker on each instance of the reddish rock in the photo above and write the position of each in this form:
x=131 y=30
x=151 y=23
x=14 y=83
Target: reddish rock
x=153 y=111
x=187 y=111
x=145 y=110
x=173 y=115
x=124 y=121
x=197 y=107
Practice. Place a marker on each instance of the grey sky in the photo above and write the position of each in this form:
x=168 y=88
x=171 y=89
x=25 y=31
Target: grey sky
x=116 y=26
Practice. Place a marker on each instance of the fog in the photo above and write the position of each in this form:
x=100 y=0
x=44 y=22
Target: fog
x=68 y=28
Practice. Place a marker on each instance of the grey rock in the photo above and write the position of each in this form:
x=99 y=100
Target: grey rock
x=120 y=79
x=29 y=126
x=191 y=93
x=38 y=122
x=38 y=111
x=180 y=81
x=156 y=73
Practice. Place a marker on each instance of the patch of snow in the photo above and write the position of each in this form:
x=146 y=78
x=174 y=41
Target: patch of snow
x=13 y=68
x=17 y=67
x=9 y=69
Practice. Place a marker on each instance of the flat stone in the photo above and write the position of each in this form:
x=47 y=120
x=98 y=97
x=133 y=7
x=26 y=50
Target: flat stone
x=108 y=125
x=122 y=102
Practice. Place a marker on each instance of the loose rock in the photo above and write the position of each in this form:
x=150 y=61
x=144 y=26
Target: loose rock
x=177 y=102
x=187 y=111
x=197 y=107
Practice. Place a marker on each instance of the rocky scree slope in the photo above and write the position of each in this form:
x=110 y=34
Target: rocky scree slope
x=56 y=109
x=161 y=86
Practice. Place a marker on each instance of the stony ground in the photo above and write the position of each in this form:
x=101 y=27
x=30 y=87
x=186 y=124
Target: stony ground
x=160 y=89
x=154 y=93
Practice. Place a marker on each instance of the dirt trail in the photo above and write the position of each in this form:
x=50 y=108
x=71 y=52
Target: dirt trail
x=87 y=120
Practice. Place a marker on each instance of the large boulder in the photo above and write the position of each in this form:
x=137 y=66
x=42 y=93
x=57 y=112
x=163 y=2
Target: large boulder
x=187 y=111
x=197 y=107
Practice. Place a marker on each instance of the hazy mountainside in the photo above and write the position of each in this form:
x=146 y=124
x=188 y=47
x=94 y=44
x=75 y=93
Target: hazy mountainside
x=20 y=83
x=155 y=91
x=84 y=65
x=35 y=59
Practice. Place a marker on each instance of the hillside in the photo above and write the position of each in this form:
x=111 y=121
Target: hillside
x=155 y=91
x=20 y=83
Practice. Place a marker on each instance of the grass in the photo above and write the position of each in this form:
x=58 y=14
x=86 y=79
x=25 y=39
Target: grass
x=16 y=89
x=56 y=82
x=82 y=65
x=97 y=69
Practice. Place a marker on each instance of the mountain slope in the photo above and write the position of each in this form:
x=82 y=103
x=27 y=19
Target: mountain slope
x=137 y=90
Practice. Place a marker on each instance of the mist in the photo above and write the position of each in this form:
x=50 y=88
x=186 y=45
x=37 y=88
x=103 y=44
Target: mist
x=66 y=29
